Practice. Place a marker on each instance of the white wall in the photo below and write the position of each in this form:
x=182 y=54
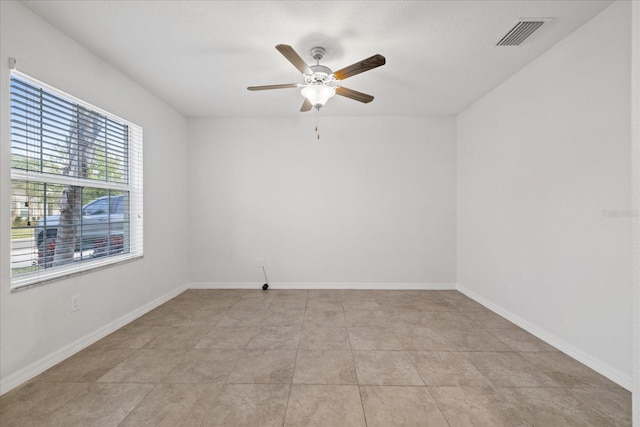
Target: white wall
x=635 y=161
x=37 y=328
x=542 y=160
x=372 y=203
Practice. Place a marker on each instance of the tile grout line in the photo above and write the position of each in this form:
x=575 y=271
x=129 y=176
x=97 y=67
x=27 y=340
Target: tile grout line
x=139 y=403
x=295 y=363
x=437 y=404
x=353 y=359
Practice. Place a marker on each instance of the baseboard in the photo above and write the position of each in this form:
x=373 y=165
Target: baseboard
x=597 y=365
x=38 y=367
x=324 y=285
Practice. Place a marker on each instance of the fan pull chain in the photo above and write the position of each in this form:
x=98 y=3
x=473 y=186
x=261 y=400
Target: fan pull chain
x=317 y=125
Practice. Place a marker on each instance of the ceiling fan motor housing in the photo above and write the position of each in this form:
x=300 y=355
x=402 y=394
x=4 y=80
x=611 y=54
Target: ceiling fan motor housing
x=320 y=75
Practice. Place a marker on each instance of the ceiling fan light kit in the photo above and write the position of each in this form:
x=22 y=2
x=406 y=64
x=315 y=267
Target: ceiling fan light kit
x=318 y=94
x=320 y=82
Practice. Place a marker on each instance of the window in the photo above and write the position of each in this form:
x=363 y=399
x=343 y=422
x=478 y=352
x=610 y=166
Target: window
x=76 y=185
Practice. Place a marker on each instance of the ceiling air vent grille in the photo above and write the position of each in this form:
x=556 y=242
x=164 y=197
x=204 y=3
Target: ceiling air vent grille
x=523 y=29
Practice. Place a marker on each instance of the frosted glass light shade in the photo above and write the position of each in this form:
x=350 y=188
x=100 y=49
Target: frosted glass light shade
x=318 y=95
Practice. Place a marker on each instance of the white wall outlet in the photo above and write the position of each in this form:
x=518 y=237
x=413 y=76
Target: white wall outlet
x=75 y=303
x=260 y=262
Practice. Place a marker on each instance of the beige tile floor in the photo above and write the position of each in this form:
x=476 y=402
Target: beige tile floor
x=319 y=358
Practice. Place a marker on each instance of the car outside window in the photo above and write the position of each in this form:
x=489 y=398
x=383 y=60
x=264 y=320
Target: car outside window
x=99 y=207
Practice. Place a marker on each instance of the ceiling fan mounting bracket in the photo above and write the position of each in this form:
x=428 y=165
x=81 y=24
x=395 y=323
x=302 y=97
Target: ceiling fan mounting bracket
x=317 y=53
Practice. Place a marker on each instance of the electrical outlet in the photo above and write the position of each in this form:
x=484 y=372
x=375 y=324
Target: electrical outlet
x=260 y=262
x=75 y=303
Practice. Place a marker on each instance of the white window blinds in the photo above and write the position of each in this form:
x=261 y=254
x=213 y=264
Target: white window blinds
x=76 y=185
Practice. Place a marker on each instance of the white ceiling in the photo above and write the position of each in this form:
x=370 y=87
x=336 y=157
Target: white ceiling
x=199 y=56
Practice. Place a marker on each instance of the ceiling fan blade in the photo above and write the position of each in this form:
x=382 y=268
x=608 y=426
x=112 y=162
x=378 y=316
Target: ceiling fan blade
x=306 y=106
x=354 y=94
x=360 y=67
x=293 y=57
x=267 y=87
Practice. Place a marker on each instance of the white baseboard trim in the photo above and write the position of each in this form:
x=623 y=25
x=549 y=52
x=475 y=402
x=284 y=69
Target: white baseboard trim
x=597 y=365
x=27 y=373
x=324 y=285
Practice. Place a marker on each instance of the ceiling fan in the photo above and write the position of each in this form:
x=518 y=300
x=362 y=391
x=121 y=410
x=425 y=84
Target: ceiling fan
x=320 y=83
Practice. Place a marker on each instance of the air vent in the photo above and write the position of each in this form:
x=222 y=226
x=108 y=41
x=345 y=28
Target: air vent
x=520 y=31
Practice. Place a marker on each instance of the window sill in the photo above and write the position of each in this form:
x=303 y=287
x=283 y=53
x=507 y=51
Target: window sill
x=41 y=278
